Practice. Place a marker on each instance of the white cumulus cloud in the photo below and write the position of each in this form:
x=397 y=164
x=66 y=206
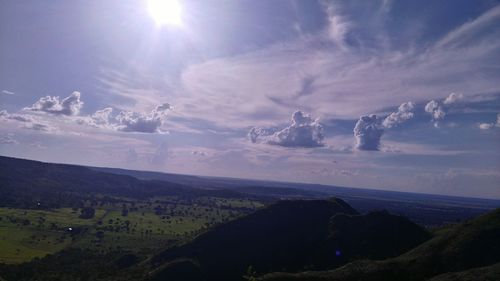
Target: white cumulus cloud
x=367 y=132
x=453 y=98
x=404 y=113
x=435 y=110
x=129 y=121
x=70 y=105
x=303 y=132
x=487 y=126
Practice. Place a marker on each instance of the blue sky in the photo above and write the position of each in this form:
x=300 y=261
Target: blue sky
x=396 y=95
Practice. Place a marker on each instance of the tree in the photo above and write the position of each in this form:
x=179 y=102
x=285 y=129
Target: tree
x=124 y=212
x=87 y=213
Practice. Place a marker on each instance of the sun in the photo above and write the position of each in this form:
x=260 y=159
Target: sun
x=165 y=12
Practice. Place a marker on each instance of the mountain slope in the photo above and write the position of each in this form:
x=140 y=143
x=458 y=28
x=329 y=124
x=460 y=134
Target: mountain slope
x=462 y=247
x=486 y=273
x=289 y=235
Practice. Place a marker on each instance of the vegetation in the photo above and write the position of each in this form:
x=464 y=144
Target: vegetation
x=63 y=222
x=45 y=208
x=291 y=236
x=458 y=248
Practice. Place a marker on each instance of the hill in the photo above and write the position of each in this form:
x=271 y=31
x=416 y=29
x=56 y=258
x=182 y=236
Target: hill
x=32 y=184
x=462 y=247
x=486 y=273
x=289 y=235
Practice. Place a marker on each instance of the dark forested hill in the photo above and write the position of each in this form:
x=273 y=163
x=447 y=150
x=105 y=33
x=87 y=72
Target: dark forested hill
x=291 y=236
x=33 y=184
x=458 y=249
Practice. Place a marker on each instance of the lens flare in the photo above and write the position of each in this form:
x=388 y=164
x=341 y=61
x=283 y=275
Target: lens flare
x=165 y=12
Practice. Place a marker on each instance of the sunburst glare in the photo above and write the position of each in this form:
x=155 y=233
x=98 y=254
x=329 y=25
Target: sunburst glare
x=165 y=12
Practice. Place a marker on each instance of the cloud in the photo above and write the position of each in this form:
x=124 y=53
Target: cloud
x=17 y=117
x=8 y=92
x=100 y=119
x=435 y=110
x=70 y=105
x=8 y=139
x=487 y=126
x=337 y=28
x=404 y=113
x=129 y=121
x=453 y=98
x=29 y=121
x=468 y=30
x=303 y=132
x=39 y=127
x=368 y=131
x=199 y=153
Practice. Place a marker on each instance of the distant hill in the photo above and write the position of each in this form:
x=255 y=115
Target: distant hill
x=291 y=236
x=256 y=187
x=424 y=209
x=459 y=249
x=25 y=183
x=33 y=184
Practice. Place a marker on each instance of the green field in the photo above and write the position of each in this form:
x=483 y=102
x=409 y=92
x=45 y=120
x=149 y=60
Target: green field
x=124 y=225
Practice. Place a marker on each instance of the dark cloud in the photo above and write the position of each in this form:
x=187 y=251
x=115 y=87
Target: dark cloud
x=303 y=132
x=70 y=105
x=368 y=131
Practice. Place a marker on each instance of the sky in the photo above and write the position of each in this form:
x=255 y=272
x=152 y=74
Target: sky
x=393 y=95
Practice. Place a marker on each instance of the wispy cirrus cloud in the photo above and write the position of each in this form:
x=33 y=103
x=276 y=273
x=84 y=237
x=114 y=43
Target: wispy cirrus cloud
x=8 y=138
x=6 y=92
x=347 y=84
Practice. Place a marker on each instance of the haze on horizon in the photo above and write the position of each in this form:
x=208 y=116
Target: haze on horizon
x=395 y=95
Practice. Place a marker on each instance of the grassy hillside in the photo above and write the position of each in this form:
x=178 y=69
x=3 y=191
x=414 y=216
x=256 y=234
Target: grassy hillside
x=486 y=273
